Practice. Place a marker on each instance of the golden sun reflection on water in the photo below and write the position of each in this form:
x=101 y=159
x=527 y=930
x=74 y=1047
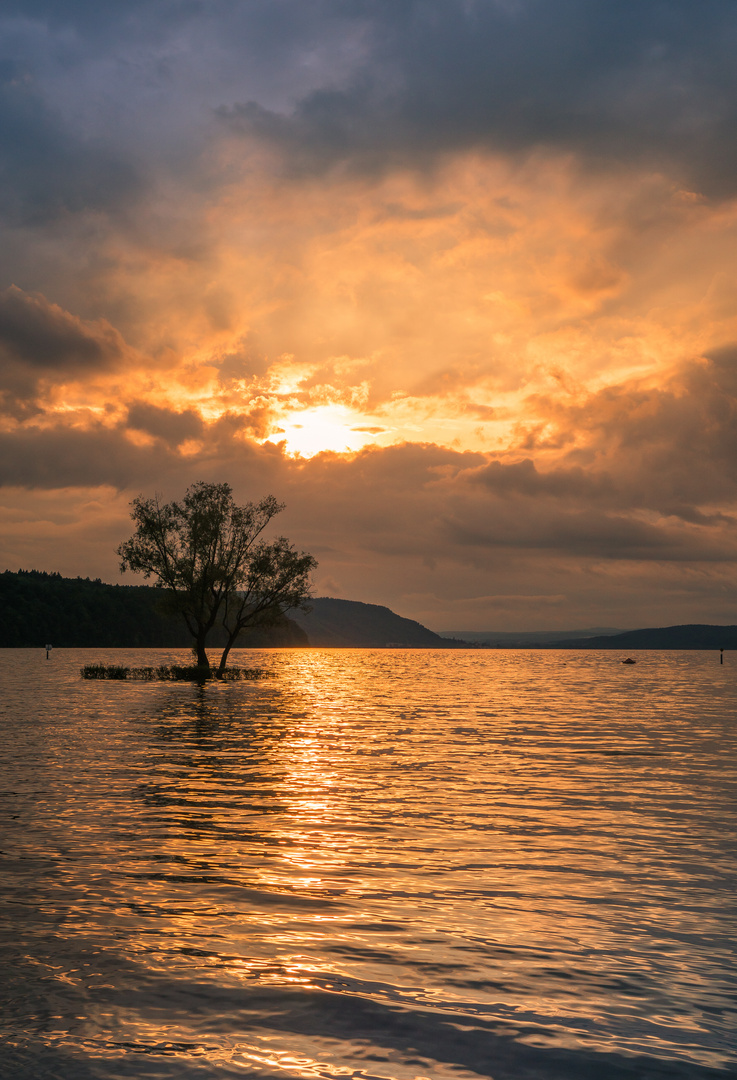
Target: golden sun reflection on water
x=377 y=863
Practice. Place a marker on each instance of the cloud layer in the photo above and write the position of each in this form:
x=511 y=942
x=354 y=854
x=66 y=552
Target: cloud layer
x=454 y=280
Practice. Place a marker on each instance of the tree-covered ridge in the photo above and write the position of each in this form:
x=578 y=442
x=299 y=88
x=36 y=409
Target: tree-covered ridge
x=37 y=608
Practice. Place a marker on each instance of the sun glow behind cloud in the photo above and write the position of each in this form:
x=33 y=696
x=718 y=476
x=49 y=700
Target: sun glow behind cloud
x=326 y=428
x=415 y=282
x=435 y=309
x=439 y=310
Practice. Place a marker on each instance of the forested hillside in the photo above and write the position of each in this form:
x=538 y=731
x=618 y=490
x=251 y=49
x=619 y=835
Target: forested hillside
x=38 y=608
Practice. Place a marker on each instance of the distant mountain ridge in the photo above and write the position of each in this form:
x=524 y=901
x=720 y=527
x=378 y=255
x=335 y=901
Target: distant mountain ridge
x=525 y=638
x=37 y=607
x=688 y=636
x=346 y=624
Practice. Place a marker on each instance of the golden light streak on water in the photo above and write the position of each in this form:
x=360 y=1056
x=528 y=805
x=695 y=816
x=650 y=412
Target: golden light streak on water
x=392 y=864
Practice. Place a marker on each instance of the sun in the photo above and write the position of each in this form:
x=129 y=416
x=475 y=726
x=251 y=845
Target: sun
x=323 y=428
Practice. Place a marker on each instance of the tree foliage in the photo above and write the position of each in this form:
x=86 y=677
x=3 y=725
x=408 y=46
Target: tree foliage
x=208 y=554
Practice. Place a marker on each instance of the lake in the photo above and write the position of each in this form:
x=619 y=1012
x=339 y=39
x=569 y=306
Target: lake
x=390 y=864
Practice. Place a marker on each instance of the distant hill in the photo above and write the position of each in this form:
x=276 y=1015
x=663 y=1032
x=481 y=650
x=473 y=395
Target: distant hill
x=690 y=636
x=36 y=608
x=525 y=639
x=350 y=624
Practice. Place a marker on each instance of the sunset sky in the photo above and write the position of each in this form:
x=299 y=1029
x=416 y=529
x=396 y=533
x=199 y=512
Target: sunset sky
x=454 y=279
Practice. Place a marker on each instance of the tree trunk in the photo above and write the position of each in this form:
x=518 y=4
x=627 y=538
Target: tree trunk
x=224 y=658
x=202 y=657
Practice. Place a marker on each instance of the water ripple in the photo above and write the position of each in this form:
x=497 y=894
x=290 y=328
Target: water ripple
x=377 y=864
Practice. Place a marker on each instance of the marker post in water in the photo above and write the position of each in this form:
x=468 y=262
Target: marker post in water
x=48 y=650
x=721 y=656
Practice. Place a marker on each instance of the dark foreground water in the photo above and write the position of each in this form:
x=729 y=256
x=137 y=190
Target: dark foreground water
x=377 y=864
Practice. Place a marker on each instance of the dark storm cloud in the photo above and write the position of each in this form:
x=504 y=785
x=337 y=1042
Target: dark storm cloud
x=41 y=335
x=99 y=101
x=39 y=340
x=440 y=505
x=670 y=448
x=172 y=427
x=523 y=478
x=626 y=82
x=47 y=169
x=66 y=457
x=70 y=456
x=578 y=533
x=433 y=504
x=370 y=84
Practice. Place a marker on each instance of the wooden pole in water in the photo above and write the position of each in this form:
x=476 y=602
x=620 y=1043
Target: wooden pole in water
x=48 y=650
x=721 y=656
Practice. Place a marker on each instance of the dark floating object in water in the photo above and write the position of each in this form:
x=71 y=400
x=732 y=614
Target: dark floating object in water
x=629 y=660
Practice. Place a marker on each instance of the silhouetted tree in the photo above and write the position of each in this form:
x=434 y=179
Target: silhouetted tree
x=206 y=552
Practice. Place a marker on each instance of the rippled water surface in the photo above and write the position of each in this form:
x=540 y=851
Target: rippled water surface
x=375 y=864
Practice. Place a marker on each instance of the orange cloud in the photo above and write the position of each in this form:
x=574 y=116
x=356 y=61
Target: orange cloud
x=475 y=316
x=411 y=304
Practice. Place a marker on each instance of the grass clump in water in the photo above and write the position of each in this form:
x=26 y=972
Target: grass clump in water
x=172 y=673
x=103 y=671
